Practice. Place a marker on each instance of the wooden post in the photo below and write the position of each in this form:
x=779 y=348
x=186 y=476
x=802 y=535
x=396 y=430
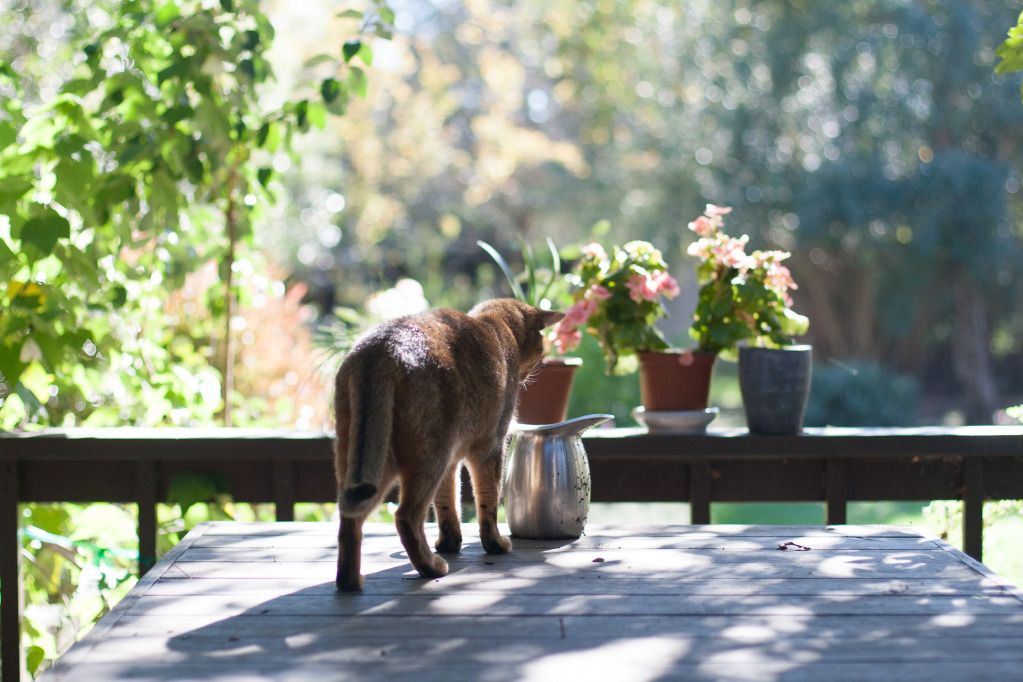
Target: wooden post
x=145 y=498
x=836 y=490
x=10 y=578
x=284 y=490
x=973 y=508
x=699 y=491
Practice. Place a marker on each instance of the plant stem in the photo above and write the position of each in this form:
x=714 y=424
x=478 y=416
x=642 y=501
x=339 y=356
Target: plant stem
x=231 y=223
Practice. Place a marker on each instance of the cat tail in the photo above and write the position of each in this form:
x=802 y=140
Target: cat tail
x=372 y=412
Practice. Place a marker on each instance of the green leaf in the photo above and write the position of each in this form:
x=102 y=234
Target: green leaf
x=251 y=40
x=264 y=175
x=317 y=114
x=301 y=114
x=43 y=231
x=6 y=255
x=8 y=134
x=503 y=265
x=319 y=59
x=358 y=82
x=228 y=5
x=366 y=54
x=349 y=14
x=11 y=189
x=187 y=489
x=11 y=365
x=350 y=49
x=386 y=14
x=330 y=88
x=166 y=13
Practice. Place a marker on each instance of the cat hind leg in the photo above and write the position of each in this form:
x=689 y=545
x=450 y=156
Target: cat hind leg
x=410 y=519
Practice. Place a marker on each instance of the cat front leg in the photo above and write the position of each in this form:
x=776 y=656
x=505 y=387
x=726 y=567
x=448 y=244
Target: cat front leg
x=486 y=472
x=448 y=505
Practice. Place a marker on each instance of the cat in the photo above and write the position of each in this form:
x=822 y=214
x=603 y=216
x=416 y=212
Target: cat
x=414 y=398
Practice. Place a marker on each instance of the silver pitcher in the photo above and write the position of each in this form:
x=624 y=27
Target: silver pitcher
x=547 y=493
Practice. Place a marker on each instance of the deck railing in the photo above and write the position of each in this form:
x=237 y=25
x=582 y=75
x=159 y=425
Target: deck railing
x=832 y=465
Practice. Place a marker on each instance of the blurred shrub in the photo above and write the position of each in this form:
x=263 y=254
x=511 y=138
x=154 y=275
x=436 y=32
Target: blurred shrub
x=861 y=394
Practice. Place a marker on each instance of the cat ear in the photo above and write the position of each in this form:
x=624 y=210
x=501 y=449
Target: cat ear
x=552 y=317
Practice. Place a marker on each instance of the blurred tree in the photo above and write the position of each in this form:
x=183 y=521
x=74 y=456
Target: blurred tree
x=870 y=138
x=152 y=159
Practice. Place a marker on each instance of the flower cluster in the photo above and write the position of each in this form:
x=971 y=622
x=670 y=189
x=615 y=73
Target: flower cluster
x=618 y=296
x=743 y=296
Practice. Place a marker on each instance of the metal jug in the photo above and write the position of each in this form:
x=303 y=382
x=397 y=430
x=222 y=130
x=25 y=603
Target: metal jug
x=547 y=493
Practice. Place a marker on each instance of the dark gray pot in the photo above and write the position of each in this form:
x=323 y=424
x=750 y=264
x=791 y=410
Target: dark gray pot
x=775 y=384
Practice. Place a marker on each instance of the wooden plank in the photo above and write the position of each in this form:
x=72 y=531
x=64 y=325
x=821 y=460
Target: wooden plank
x=329 y=529
x=467 y=581
x=224 y=546
x=483 y=626
x=79 y=651
x=629 y=660
x=435 y=652
x=679 y=567
x=504 y=604
x=257 y=601
x=474 y=551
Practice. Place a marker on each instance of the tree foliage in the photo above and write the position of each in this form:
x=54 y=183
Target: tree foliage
x=152 y=160
x=870 y=139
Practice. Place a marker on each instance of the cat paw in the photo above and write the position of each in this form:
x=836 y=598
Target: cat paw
x=437 y=568
x=449 y=544
x=496 y=544
x=350 y=584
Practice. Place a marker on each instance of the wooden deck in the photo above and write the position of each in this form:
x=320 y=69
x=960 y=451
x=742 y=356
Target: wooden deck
x=237 y=601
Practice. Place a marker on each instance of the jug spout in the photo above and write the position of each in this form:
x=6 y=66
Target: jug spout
x=569 y=427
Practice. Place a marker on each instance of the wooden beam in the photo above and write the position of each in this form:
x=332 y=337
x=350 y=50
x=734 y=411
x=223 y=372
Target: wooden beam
x=836 y=490
x=10 y=583
x=145 y=498
x=699 y=491
x=284 y=490
x=973 y=508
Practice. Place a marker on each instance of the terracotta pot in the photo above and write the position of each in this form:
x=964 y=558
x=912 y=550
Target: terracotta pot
x=775 y=385
x=675 y=381
x=544 y=399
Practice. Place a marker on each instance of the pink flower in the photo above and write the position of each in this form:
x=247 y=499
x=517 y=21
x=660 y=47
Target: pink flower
x=779 y=278
x=578 y=313
x=703 y=226
x=730 y=252
x=666 y=285
x=594 y=251
x=566 y=339
x=713 y=211
x=701 y=248
x=597 y=293
x=642 y=287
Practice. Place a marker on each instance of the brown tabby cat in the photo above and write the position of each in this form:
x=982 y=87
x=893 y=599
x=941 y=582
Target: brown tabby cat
x=413 y=399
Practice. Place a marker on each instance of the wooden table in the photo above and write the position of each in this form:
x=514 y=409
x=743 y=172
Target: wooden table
x=238 y=601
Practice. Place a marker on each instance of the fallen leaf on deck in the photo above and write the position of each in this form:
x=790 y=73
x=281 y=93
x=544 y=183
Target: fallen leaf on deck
x=794 y=546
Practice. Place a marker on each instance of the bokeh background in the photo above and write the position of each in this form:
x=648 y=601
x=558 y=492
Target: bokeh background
x=871 y=138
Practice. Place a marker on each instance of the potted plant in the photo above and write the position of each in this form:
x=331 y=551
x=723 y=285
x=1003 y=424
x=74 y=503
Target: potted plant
x=544 y=397
x=745 y=309
x=618 y=298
